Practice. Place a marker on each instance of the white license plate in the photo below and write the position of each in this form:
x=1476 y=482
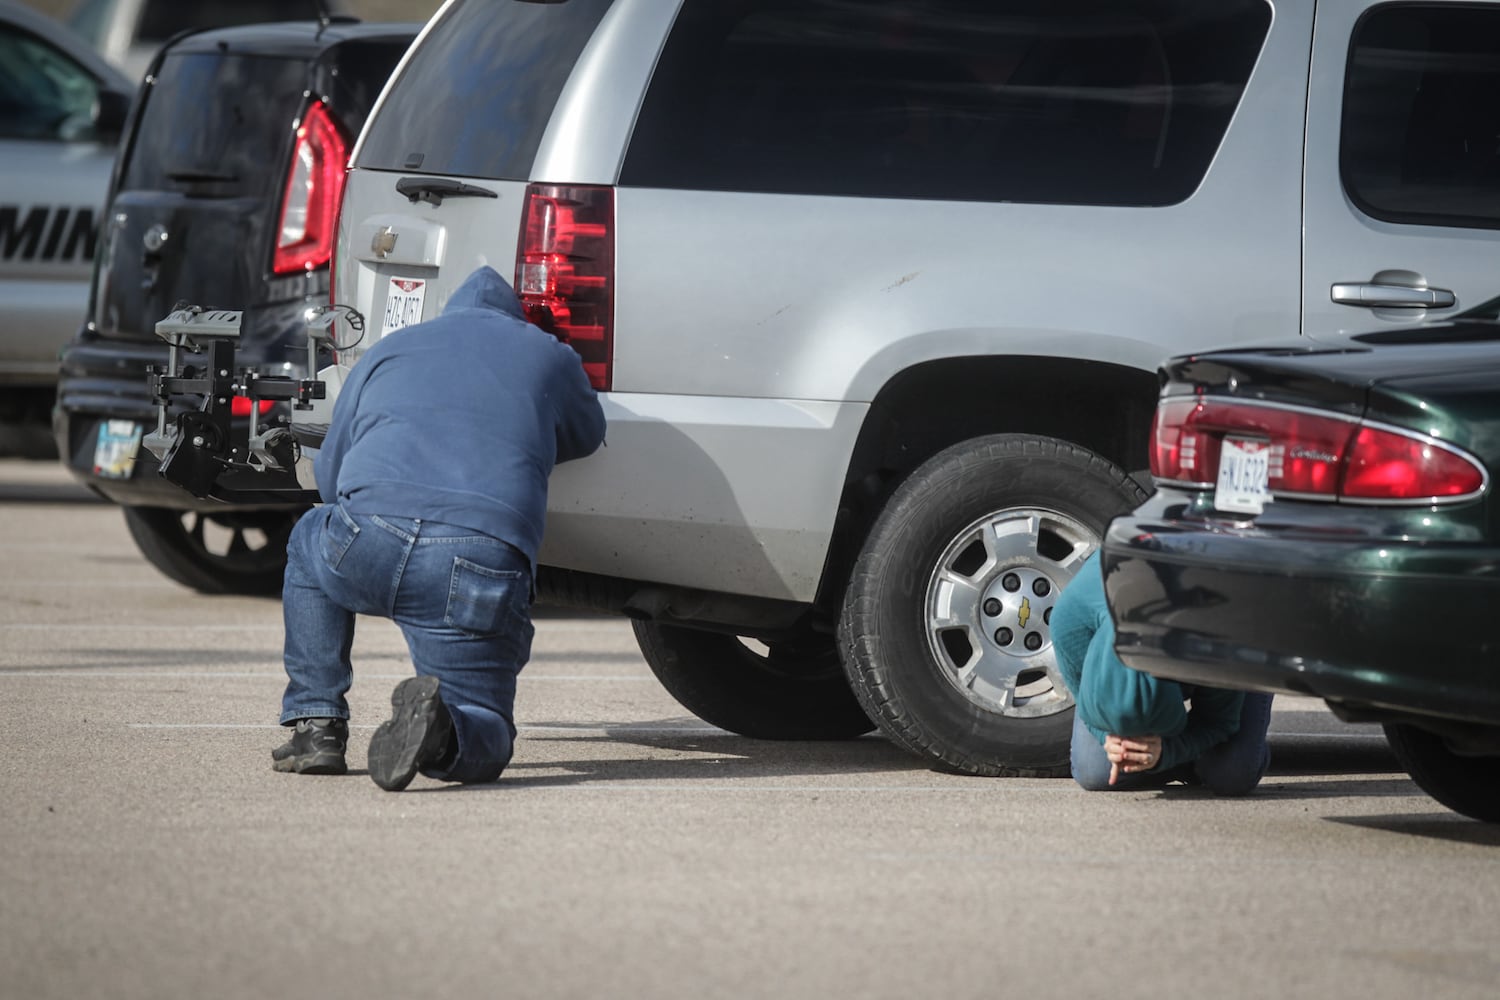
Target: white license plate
x=403 y=303
x=1244 y=465
x=115 y=448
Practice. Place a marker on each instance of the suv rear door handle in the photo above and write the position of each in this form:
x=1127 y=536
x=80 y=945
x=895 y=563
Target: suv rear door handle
x=1377 y=296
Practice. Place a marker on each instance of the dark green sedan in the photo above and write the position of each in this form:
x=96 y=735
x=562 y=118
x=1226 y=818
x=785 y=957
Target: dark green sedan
x=1324 y=524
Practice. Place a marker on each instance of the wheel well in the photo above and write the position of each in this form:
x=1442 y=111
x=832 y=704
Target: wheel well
x=1103 y=407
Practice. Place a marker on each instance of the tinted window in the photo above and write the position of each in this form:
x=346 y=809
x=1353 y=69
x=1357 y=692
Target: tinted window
x=475 y=97
x=359 y=71
x=1421 y=130
x=1075 y=101
x=216 y=125
x=43 y=93
x=164 y=18
x=89 y=18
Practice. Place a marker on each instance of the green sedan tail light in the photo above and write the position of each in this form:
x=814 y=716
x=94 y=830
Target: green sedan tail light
x=1313 y=454
x=565 y=270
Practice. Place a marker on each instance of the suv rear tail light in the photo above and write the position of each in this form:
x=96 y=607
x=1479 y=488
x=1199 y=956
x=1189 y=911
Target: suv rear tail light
x=314 y=188
x=565 y=270
x=1314 y=455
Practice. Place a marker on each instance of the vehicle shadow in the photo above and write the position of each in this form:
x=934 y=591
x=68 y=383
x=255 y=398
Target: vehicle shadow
x=715 y=756
x=721 y=756
x=46 y=493
x=1449 y=826
x=1398 y=786
x=1295 y=755
x=1340 y=763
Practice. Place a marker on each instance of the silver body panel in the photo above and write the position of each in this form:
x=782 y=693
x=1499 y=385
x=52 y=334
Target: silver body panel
x=753 y=330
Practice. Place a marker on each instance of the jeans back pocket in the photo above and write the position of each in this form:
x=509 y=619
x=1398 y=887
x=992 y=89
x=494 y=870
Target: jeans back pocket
x=484 y=601
x=339 y=532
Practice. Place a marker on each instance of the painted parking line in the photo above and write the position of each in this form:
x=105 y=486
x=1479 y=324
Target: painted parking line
x=93 y=583
x=82 y=673
x=1326 y=736
x=113 y=629
x=542 y=629
x=606 y=730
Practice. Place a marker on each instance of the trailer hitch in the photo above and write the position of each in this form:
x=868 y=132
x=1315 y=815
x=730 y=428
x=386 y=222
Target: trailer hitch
x=204 y=448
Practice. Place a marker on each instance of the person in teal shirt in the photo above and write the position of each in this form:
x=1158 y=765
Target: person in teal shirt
x=1132 y=730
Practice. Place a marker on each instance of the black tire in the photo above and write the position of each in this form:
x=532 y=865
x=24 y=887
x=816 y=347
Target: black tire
x=908 y=636
x=1464 y=784
x=788 y=691
x=233 y=552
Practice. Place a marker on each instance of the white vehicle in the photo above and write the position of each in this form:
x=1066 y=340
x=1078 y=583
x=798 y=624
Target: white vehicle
x=876 y=295
x=129 y=32
x=61 y=111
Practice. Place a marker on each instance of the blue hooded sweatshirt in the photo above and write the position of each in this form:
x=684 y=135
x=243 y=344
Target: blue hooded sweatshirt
x=1113 y=698
x=460 y=419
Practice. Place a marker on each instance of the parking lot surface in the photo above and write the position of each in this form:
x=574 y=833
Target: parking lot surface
x=632 y=851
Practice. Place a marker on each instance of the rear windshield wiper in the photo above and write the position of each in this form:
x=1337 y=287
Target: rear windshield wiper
x=201 y=177
x=434 y=189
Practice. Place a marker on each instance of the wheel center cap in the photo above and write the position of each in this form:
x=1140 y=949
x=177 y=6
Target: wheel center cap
x=1016 y=610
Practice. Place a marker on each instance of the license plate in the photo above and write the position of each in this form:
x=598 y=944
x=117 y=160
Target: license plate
x=1244 y=464
x=115 y=448
x=403 y=303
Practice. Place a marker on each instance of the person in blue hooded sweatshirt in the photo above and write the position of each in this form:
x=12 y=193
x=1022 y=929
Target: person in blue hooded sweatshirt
x=1132 y=730
x=433 y=478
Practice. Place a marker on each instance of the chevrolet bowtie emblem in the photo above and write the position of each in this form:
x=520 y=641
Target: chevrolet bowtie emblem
x=383 y=242
x=1024 y=615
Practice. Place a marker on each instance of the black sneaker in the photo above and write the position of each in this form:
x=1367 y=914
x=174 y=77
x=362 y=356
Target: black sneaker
x=316 y=747
x=419 y=732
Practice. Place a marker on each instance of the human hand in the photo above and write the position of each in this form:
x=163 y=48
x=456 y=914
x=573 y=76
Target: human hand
x=1130 y=754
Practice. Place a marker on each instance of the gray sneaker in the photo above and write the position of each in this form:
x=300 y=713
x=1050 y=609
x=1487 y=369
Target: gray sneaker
x=316 y=747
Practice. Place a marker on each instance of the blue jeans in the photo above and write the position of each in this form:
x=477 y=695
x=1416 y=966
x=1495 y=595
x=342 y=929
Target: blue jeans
x=1233 y=767
x=461 y=599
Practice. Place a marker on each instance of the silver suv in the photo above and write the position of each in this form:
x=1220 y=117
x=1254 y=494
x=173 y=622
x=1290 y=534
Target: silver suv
x=876 y=295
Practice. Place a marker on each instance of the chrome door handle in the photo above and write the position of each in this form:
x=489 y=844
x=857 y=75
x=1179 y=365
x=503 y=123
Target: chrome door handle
x=1374 y=296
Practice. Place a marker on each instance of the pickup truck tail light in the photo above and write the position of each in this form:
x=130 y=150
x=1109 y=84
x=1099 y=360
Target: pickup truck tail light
x=314 y=189
x=1314 y=455
x=565 y=270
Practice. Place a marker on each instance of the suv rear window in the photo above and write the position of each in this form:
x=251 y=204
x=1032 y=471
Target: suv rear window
x=480 y=88
x=1119 y=102
x=216 y=125
x=1421 y=116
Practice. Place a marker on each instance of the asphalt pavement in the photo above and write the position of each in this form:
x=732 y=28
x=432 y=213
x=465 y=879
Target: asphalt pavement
x=148 y=850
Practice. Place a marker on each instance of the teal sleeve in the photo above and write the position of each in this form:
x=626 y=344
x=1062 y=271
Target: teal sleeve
x=1213 y=716
x=1108 y=696
x=1076 y=619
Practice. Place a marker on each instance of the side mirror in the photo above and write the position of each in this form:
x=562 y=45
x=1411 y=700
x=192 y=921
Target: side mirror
x=109 y=114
